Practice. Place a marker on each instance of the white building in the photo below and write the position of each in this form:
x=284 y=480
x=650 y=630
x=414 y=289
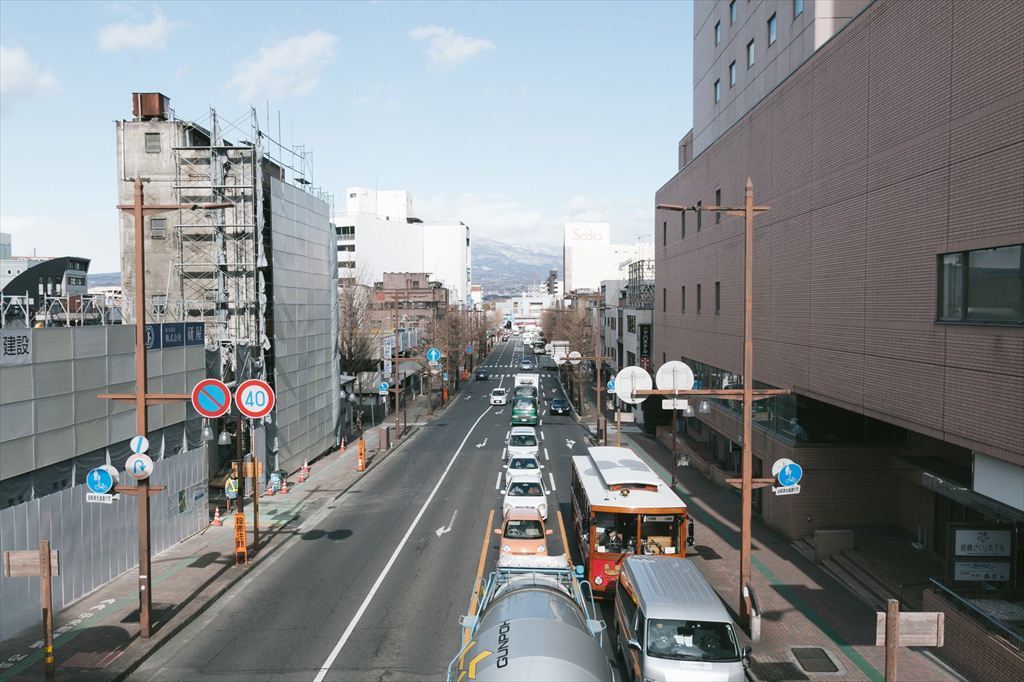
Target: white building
x=589 y=256
x=378 y=233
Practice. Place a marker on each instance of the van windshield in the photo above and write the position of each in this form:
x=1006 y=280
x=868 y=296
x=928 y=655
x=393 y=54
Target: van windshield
x=691 y=640
x=523 y=440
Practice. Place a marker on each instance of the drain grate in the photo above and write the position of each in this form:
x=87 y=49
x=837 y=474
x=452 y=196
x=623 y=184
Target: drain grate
x=814 y=659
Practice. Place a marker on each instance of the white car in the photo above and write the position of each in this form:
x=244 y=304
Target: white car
x=525 y=492
x=522 y=466
x=499 y=396
x=522 y=441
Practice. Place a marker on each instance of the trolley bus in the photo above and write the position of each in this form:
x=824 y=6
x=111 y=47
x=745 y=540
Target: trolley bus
x=621 y=507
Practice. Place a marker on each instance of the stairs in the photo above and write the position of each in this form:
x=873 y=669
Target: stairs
x=850 y=570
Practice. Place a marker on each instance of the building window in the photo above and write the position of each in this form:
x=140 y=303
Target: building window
x=718 y=90
x=986 y=285
x=798 y=8
x=682 y=300
x=158 y=228
x=732 y=12
x=718 y=32
x=631 y=324
x=698 y=299
x=772 y=30
x=718 y=202
x=152 y=143
x=732 y=74
x=664 y=232
x=352 y=195
x=682 y=231
x=700 y=215
x=750 y=53
x=718 y=298
x=664 y=299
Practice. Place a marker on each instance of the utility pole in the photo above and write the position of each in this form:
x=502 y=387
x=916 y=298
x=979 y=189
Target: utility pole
x=143 y=490
x=394 y=371
x=746 y=482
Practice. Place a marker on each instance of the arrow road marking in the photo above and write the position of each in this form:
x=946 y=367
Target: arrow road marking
x=469 y=397
x=500 y=411
x=569 y=443
x=442 y=530
x=480 y=445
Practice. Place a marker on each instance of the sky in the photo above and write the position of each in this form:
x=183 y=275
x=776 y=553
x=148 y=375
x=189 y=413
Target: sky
x=512 y=117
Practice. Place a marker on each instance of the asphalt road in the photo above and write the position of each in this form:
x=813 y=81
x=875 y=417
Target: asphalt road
x=373 y=591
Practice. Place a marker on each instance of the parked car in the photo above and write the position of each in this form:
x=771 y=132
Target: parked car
x=522 y=466
x=482 y=375
x=525 y=491
x=522 y=532
x=499 y=396
x=559 y=406
x=522 y=441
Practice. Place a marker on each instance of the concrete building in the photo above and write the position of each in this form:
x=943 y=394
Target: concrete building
x=259 y=271
x=10 y=265
x=742 y=50
x=887 y=281
x=524 y=310
x=613 y=299
x=409 y=300
x=379 y=232
x=588 y=256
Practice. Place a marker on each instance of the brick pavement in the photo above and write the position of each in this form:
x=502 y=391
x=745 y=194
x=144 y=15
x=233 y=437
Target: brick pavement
x=802 y=605
x=97 y=637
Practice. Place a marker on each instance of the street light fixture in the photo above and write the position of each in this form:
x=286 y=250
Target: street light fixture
x=207 y=432
x=704 y=408
x=224 y=438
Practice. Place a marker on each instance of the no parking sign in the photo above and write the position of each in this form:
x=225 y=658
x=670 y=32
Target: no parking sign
x=254 y=398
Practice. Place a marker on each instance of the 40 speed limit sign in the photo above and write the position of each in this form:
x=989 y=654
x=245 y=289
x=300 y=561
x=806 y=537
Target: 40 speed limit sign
x=254 y=398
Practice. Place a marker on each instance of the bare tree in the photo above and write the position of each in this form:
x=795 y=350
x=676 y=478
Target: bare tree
x=357 y=340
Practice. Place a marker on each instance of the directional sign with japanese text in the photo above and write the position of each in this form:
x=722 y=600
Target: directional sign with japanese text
x=254 y=398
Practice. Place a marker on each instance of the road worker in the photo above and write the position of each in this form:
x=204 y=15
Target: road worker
x=231 y=487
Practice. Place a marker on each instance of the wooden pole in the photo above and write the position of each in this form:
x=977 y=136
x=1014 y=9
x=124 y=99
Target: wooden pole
x=46 y=597
x=892 y=639
x=748 y=398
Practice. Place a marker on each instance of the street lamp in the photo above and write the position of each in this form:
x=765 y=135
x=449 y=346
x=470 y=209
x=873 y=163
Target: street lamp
x=224 y=438
x=207 y=433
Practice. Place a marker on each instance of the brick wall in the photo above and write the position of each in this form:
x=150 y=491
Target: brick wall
x=970 y=648
x=899 y=140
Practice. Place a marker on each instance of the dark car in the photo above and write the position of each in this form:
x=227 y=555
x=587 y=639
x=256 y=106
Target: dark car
x=482 y=375
x=559 y=406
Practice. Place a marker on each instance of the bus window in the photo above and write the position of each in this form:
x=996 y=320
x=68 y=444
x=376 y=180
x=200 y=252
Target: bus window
x=659 y=533
x=615 y=532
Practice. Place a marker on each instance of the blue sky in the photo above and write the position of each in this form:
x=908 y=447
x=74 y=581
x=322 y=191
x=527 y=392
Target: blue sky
x=513 y=117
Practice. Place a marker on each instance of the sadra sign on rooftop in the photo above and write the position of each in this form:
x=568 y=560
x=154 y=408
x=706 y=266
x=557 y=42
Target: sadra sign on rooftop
x=15 y=346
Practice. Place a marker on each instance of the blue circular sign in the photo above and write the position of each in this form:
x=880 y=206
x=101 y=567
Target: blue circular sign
x=383 y=387
x=611 y=385
x=433 y=355
x=790 y=475
x=469 y=349
x=99 y=481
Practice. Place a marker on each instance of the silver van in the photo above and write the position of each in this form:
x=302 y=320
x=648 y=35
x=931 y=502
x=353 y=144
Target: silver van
x=670 y=624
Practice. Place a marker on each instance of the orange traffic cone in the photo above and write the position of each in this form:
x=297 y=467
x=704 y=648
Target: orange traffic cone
x=303 y=472
x=284 y=486
x=216 y=518
x=268 y=491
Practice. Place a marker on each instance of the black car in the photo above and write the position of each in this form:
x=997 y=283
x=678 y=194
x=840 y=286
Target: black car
x=482 y=375
x=559 y=406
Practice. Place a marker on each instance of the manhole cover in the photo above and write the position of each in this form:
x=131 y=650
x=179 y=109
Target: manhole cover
x=814 y=659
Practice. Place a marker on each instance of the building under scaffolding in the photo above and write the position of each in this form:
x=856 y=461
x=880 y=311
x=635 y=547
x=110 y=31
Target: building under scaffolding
x=260 y=272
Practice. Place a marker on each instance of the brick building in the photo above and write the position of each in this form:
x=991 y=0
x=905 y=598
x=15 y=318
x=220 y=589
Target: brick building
x=420 y=302
x=888 y=273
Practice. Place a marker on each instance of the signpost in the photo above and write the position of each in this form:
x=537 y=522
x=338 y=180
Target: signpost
x=139 y=444
x=46 y=564
x=894 y=629
x=469 y=349
x=101 y=482
x=382 y=388
x=674 y=376
x=433 y=355
x=241 y=551
x=254 y=399
x=211 y=398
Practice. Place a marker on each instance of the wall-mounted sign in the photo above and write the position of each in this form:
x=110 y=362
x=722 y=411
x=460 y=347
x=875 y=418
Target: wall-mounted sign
x=15 y=346
x=982 y=542
x=980 y=571
x=174 y=335
x=645 y=341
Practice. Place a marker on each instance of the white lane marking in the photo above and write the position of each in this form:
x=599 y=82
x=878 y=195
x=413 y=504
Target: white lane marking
x=326 y=667
x=551 y=476
x=546 y=454
x=507 y=434
x=541 y=422
x=480 y=445
x=542 y=435
x=500 y=411
x=569 y=443
x=497 y=482
x=447 y=529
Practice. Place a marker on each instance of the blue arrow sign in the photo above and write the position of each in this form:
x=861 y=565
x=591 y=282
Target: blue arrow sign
x=433 y=355
x=99 y=481
x=138 y=468
x=611 y=385
x=383 y=387
x=790 y=475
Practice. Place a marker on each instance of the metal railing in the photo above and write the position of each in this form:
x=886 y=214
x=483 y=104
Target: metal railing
x=1014 y=638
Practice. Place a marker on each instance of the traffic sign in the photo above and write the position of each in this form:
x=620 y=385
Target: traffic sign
x=787 y=472
x=100 y=481
x=560 y=359
x=610 y=386
x=383 y=387
x=469 y=349
x=211 y=398
x=139 y=444
x=433 y=355
x=574 y=357
x=632 y=379
x=444 y=377
x=139 y=466
x=674 y=376
x=254 y=398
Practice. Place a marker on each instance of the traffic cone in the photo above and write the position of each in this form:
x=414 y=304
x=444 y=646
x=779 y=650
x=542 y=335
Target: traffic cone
x=216 y=518
x=269 y=490
x=304 y=472
x=284 y=486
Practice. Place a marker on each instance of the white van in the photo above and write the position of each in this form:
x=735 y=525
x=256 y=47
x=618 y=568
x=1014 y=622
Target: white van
x=671 y=625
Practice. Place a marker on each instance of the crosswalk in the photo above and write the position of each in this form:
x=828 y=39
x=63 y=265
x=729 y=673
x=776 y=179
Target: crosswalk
x=543 y=377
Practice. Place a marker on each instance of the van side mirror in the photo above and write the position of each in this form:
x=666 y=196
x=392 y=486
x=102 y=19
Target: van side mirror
x=745 y=656
x=549 y=531
x=634 y=645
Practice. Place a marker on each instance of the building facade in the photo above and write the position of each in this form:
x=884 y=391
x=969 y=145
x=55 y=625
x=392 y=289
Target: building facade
x=379 y=232
x=588 y=256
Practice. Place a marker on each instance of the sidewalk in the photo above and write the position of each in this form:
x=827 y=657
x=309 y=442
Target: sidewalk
x=802 y=606
x=97 y=637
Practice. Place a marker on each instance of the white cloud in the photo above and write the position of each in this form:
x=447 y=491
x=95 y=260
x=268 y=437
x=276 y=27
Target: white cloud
x=19 y=75
x=126 y=36
x=286 y=68
x=446 y=49
x=495 y=215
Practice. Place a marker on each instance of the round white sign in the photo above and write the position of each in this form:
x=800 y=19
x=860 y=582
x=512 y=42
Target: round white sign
x=574 y=357
x=139 y=466
x=674 y=376
x=560 y=359
x=139 y=444
x=632 y=379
